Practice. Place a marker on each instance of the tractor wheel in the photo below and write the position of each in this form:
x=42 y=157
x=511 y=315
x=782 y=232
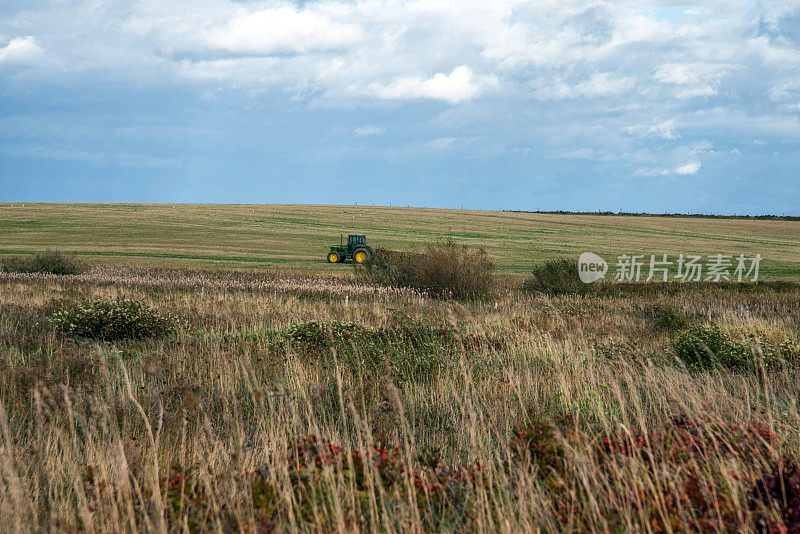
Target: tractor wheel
x=360 y=256
x=333 y=257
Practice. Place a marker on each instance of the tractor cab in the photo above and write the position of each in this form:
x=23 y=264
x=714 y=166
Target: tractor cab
x=356 y=250
x=356 y=240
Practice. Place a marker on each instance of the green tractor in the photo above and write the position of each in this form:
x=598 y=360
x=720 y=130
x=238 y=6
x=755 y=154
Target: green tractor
x=356 y=249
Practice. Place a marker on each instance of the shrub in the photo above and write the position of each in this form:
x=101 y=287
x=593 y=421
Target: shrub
x=666 y=318
x=696 y=454
x=707 y=347
x=778 y=494
x=111 y=320
x=51 y=262
x=445 y=269
x=556 y=277
x=442 y=493
x=456 y=271
x=411 y=351
x=316 y=334
x=389 y=268
x=15 y=264
x=537 y=445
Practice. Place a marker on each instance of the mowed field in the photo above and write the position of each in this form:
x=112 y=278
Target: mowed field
x=296 y=237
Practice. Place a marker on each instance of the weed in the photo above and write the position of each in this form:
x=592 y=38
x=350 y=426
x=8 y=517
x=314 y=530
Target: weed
x=707 y=347
x=111 y=320
x=668 y=319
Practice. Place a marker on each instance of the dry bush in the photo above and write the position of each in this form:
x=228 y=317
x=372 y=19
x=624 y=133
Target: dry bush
x=445 y=270
x=50 y=262
x=556 y=277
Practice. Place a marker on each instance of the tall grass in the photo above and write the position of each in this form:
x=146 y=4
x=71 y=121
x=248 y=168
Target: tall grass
x=239 y=423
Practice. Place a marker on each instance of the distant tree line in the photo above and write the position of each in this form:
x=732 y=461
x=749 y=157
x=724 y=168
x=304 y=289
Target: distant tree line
x=677 y=215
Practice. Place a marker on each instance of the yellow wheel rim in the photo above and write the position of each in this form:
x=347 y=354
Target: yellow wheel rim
x=332 y=258
x=361 y=257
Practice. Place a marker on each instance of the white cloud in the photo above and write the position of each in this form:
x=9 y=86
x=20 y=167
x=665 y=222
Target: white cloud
x=693 y=79
x=690 y=168
x=397 y=50
x=21 y=51
x=584 y=154
x=789 y=90
x=95 y=157
x=589 y=80
x=662 y=130
x=676 y=74
x=597 y=86
x=368 y=131
x=281 y=30
x=458 y=86
x=702 y=146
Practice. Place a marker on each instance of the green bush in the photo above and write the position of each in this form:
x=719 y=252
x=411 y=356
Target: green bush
x=702 y=347
x=556 y=277
x=389 y=268
x=111 y=320
x=51 y=262
x=706 y=347
x=666 y=318
x=314 y=334
x=446 y=270
x=410 y=351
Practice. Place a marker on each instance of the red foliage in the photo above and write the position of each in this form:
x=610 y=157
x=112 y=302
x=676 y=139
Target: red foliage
x=779 y=493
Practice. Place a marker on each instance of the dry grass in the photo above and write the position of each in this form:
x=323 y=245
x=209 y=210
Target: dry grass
x=297 y=236
x=204 y=430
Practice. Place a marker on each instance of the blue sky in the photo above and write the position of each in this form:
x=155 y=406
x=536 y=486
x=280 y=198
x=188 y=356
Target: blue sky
x=653 y=106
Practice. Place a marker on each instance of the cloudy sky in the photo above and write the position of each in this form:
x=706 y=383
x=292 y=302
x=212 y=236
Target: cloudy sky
x=550 y=104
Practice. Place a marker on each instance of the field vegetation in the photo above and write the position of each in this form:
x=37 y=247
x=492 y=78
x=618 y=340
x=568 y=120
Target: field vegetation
x=443 y=269
x=51 y=262
x=556 y=277
x=297 y=237
x=177 y=400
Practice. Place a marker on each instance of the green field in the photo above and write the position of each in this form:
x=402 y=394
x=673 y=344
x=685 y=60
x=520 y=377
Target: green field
x=296 y=236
